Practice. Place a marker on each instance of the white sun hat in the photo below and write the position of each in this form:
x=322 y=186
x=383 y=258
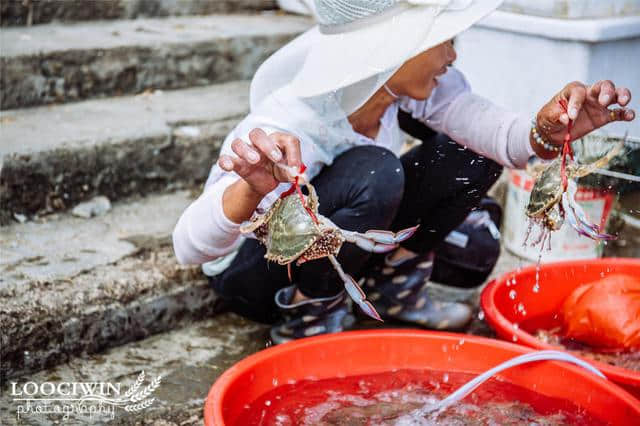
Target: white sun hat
x=357 y=39
x=310 y=86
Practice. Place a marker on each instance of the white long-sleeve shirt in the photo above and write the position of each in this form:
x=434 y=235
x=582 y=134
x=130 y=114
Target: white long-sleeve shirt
x=203 y=232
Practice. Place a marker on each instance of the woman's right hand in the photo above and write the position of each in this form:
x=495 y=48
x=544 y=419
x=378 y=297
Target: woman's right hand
x=256 y=164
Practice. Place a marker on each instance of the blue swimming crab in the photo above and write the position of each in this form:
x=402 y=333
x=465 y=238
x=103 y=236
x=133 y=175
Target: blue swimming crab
x=550 y=202
x=293 y=230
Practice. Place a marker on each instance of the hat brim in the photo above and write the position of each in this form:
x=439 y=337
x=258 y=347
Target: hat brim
x=335 y=61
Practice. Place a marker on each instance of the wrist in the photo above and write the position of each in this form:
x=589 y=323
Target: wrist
x=248 y=195
x=540 y=143
x=240 y=200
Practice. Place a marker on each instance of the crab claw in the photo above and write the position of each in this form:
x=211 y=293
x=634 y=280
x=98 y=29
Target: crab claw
x=405 y=234
x=577 y=218
x=354 y=290
x=573 y=221
x=379 y=241
x=569 y=198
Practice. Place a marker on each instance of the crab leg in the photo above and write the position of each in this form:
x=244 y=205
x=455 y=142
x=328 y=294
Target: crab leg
x=587 y=169
x=379 y=241
x=354 y=290
x=541 y=236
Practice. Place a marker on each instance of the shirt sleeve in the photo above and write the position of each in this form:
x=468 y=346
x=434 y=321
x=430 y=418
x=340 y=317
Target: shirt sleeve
x=473 y=121
x=203 y=232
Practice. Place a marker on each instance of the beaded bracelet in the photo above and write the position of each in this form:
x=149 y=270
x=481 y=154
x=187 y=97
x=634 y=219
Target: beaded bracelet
x=538 y=139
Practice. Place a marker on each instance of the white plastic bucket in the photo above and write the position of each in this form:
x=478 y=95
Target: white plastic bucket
x=566 y=243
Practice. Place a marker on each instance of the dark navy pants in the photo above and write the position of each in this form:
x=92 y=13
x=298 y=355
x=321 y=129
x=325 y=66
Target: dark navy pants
x=436 y=185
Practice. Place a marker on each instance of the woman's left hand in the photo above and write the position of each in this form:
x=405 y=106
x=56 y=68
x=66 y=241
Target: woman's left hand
x=588 y=107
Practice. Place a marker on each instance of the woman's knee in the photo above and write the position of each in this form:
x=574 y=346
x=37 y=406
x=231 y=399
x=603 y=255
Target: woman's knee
x=487 y=172
x=472 y=169
x=379 y=174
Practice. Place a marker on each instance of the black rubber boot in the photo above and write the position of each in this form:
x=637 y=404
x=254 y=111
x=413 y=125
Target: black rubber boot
x=469 y=253
x=310 y=317
x=399 y=291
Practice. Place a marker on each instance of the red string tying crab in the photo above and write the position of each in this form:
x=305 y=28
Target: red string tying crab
x=567 y=151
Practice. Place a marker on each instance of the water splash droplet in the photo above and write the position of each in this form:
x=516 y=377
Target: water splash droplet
x=512 y=294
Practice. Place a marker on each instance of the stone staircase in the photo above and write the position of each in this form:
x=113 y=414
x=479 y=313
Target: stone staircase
x=58 y=63
x=128 y=100
x=31 y=12
x=58 y=156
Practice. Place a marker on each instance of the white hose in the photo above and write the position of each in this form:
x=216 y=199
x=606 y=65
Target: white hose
x=469 y=387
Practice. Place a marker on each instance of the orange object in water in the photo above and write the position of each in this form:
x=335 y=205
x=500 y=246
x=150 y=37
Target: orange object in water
x=538 y=307
x=605 y=313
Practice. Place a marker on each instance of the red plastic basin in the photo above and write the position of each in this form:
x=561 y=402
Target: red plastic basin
x=377 y=351
x=556 y=282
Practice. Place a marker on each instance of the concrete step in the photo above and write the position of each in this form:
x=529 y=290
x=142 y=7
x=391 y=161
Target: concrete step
x=55 y=157
x=58 y=63
x=32 y=12
x=189 y=360
x=70 y=285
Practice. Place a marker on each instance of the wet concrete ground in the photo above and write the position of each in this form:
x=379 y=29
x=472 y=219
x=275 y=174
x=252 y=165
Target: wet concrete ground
x=189 y=360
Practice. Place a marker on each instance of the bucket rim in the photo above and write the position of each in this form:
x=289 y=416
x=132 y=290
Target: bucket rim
x=494 y=316
x=213 y=414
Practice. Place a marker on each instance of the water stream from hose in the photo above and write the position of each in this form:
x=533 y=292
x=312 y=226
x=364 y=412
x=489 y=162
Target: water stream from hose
x=466 y=389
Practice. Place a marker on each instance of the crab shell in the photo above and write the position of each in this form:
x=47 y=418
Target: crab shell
x=547 y=191
x=289 y=232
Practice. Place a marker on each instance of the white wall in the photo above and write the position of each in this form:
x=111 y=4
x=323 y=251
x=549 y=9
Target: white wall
x=520 y=61
x=573 y=8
